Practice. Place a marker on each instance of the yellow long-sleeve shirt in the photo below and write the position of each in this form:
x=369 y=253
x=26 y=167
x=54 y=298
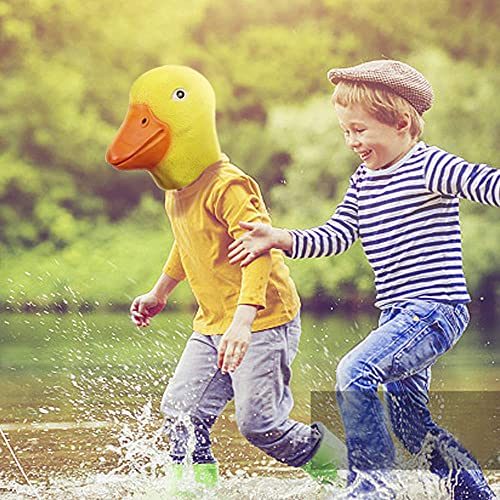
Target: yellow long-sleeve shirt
x=204 y=218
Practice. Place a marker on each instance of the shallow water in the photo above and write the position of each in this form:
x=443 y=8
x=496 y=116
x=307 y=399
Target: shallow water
x=80 y=393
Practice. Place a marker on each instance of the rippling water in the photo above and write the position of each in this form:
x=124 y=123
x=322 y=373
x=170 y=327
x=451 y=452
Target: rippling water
x=79 y=400
x=410 y=486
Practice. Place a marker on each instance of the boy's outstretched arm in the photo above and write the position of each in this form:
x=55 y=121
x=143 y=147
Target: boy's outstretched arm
x=451 y=175
x=332 y=238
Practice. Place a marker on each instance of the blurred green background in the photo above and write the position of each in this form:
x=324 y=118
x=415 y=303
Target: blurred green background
x=77 y=235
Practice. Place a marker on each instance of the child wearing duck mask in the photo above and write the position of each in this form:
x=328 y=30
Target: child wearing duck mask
x=247 y=327
x=403 y=203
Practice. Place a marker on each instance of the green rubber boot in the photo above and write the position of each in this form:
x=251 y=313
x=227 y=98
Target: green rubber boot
x=175 y=474
x=330 y=456
x=206 y=477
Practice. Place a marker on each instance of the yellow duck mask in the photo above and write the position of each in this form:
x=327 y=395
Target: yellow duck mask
x=169 y=129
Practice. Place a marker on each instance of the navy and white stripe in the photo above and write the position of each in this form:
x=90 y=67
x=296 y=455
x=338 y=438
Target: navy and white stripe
x=407 y=217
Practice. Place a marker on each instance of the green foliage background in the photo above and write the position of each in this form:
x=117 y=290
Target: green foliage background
x=76 y=233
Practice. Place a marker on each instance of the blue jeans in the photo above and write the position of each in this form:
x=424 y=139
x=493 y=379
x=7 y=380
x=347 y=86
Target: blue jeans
x=198 y=392
x=399 y=355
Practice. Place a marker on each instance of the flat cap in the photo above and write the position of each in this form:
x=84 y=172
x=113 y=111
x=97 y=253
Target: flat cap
x=397 y=76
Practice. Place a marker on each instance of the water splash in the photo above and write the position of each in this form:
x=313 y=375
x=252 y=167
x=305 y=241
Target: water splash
x=86 y=410
x=18 y=464
x=141 y=448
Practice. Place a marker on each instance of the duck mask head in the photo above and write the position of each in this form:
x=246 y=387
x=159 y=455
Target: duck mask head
x=169 y=129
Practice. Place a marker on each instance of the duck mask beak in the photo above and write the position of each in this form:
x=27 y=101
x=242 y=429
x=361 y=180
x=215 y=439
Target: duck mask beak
x=141 y=142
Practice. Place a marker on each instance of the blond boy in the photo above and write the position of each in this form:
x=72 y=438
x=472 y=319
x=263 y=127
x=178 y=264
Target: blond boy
x=403 y=203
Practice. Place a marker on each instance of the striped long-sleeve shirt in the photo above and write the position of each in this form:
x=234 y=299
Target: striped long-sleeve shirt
x=407 y=217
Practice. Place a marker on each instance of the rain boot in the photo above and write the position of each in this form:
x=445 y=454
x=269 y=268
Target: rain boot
x=206 y=477
x=175 y=475
x=330 y=456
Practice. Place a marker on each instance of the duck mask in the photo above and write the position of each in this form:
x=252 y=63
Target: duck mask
x=169 y=129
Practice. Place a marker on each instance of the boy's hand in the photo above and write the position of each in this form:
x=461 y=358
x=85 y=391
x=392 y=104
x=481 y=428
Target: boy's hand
x=249 y=246
x=234 y=343
x=144 y=307
x=233 y=347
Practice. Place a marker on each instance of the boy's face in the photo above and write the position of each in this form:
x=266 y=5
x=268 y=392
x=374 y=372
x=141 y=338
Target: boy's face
x=378 y=145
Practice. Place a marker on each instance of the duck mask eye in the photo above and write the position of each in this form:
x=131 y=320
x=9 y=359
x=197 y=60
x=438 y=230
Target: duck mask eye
x=179 y=95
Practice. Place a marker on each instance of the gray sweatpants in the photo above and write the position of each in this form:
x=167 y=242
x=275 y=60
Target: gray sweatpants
x=198 y=392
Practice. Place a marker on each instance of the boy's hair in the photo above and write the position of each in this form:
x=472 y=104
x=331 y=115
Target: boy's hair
x=383 y=104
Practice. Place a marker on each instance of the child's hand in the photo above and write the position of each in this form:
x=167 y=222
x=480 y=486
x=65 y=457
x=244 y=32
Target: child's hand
x=260 y=239
x=144 y=307
x=252 y=244
x=233 y=347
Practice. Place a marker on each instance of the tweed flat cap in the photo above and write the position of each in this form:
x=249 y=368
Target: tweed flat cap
x=397 y=76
